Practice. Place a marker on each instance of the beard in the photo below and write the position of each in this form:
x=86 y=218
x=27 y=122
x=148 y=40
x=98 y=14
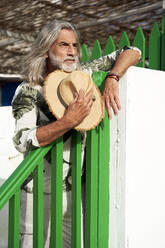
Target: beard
x=57 y=63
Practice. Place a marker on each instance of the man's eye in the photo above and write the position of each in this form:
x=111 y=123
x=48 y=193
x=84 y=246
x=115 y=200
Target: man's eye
x=64 y=44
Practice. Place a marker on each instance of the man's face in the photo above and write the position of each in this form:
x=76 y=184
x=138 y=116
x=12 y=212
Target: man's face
x=63 y=54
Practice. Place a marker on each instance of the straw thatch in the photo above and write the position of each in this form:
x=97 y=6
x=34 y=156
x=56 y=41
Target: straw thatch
x=20 y=21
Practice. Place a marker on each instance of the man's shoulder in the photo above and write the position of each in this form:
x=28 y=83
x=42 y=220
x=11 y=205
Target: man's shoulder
x=24 y=92
x=28 y=87
x=25 y=89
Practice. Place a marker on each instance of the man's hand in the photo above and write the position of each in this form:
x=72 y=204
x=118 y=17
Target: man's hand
x=78 y=109
x=111 y=95
x=111 y=90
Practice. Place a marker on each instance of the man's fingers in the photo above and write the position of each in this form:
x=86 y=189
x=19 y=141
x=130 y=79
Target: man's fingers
x=114 y=103
x=85 y=98
x=81 y=95
x=75 y=99
x=117 y=101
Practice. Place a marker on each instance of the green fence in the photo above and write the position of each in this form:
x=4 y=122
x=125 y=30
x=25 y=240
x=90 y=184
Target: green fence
x=97 y=167
x=97 y=186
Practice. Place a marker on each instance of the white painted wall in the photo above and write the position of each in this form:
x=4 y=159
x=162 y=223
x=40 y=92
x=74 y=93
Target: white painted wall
x=10 y=158
x=137 y=203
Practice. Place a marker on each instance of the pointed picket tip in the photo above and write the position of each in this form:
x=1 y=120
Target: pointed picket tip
x=96 y=51
x=85 y=54
x=139 y=42
x=155 y=32
x=124 y=41
x=139 y=37
x=110 y=46
x=154 y=48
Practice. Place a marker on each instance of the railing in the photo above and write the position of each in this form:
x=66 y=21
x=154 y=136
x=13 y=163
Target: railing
x=97 y=188
x=97 y=166
x=10 y=191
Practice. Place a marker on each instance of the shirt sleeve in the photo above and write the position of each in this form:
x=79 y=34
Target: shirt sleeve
x=106 y=63
x=25 y=112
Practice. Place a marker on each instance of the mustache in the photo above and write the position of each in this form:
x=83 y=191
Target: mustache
x=75 y=58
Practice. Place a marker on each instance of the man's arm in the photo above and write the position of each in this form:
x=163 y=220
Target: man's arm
x=111 y=90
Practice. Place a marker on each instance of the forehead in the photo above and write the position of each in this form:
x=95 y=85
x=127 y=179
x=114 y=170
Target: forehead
x=67 y=35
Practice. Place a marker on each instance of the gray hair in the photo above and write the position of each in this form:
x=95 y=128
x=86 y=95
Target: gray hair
x=35 y=64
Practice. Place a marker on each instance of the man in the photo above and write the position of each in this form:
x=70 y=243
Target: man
x=57 y=47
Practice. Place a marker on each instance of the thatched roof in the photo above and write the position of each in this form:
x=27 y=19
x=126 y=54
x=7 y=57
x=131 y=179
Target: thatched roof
x=20 y=21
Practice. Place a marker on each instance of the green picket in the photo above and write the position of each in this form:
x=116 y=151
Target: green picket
x=103 y=171
x=85 y=54
x=110 y=46
x=163 y=43
x=139 y=42
x=96 y=51
x=76 y=189
x=154 y=48
x=38 y=206
x=14 y=221
x=102 y=133
x=124 y=41
x=91 y=227
x=103 y=183
x=91 y=187
x=56 y=194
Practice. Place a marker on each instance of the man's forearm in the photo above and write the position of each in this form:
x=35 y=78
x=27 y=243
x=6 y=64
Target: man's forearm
x=125 y=60
x=48 y=133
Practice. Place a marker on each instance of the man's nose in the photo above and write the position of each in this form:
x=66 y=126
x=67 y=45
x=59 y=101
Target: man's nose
x=71 y=51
